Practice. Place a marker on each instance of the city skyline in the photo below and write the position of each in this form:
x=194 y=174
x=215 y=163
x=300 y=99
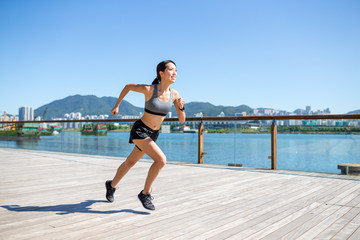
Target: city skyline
x=301 y=110
x=265 y=54
x=256 y=112
x=290 y=111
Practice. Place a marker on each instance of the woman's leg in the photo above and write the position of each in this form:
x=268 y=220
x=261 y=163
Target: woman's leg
x=130 y=161
x=149 y=147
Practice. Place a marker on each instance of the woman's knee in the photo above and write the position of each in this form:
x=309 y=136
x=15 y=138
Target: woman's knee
x=161 y=161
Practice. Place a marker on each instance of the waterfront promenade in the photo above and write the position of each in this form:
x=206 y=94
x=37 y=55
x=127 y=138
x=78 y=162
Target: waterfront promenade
x=50 y=195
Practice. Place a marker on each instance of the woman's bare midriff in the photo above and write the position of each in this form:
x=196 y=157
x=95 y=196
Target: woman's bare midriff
x=152 y=121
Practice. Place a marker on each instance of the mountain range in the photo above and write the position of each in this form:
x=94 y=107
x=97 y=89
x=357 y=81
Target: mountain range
x=354 y=112
x=93 y=105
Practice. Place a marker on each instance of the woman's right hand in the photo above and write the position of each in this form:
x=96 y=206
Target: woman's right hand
x=115 y=110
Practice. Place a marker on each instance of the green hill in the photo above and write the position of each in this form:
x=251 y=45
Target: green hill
x=86 y=105
x=210 y=110
x=354 y=112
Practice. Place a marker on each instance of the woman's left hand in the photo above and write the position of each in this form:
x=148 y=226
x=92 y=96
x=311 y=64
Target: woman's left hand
x=180 y=103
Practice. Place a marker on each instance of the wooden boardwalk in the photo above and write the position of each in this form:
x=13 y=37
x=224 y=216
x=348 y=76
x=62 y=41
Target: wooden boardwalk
x=48 y=195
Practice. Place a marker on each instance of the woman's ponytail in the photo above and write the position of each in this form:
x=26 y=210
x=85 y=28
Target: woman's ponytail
x=156 y=81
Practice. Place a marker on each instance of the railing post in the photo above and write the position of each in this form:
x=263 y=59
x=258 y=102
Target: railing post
x=273 y=145
x=200 y=143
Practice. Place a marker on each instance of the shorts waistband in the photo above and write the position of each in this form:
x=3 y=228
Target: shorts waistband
x=146 y=126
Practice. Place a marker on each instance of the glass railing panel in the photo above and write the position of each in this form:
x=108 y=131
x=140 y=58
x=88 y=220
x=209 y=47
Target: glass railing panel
x=252 y=144
x=317 y=153
x=177 y=144
x=219 y=148
x=317 y=148
x=219 y=143
x=72 y=140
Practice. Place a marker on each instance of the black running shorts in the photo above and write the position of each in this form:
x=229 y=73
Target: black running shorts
x=141 y=131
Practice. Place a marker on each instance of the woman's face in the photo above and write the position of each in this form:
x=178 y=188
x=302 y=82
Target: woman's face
x=170 y=73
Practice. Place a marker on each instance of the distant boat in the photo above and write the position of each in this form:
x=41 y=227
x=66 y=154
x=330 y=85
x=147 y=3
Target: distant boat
x=29 y=129
x=99 y=130
x=185 y=129
x=26 y=131
x=56 y=129
x=87 y=129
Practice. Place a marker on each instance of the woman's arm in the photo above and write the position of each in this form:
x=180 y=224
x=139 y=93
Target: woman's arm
x=130 y=87
x=179 y=104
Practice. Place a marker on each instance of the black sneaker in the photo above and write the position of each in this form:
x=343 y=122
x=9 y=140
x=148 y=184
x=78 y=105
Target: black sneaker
x=109 y=191
x=145 y=199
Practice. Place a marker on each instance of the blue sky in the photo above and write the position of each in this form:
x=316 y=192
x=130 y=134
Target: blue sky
x=276 y=54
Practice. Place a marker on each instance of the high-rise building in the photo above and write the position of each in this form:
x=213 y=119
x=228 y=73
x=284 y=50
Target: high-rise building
x=26 y=113
x=78 y=115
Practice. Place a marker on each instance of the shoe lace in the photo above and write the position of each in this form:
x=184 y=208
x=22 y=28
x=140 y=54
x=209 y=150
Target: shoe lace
x=148 y=198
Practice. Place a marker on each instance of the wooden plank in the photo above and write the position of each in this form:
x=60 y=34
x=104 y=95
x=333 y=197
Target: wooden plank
x=298 y=223
x=336 y=227
x=270 y=224
x=355 y=235
x=238 y=228
x=350 y=230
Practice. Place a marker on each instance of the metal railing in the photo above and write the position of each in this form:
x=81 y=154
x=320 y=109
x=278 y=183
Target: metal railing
x=273 y=156
x=201 y=152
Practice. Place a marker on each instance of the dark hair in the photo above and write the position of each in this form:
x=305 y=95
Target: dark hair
x=160 y=68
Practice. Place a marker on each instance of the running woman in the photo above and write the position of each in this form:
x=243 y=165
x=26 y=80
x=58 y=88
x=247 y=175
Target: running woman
x=159 y=98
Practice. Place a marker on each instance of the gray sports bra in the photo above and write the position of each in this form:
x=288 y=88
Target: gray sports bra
x=156 y=106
